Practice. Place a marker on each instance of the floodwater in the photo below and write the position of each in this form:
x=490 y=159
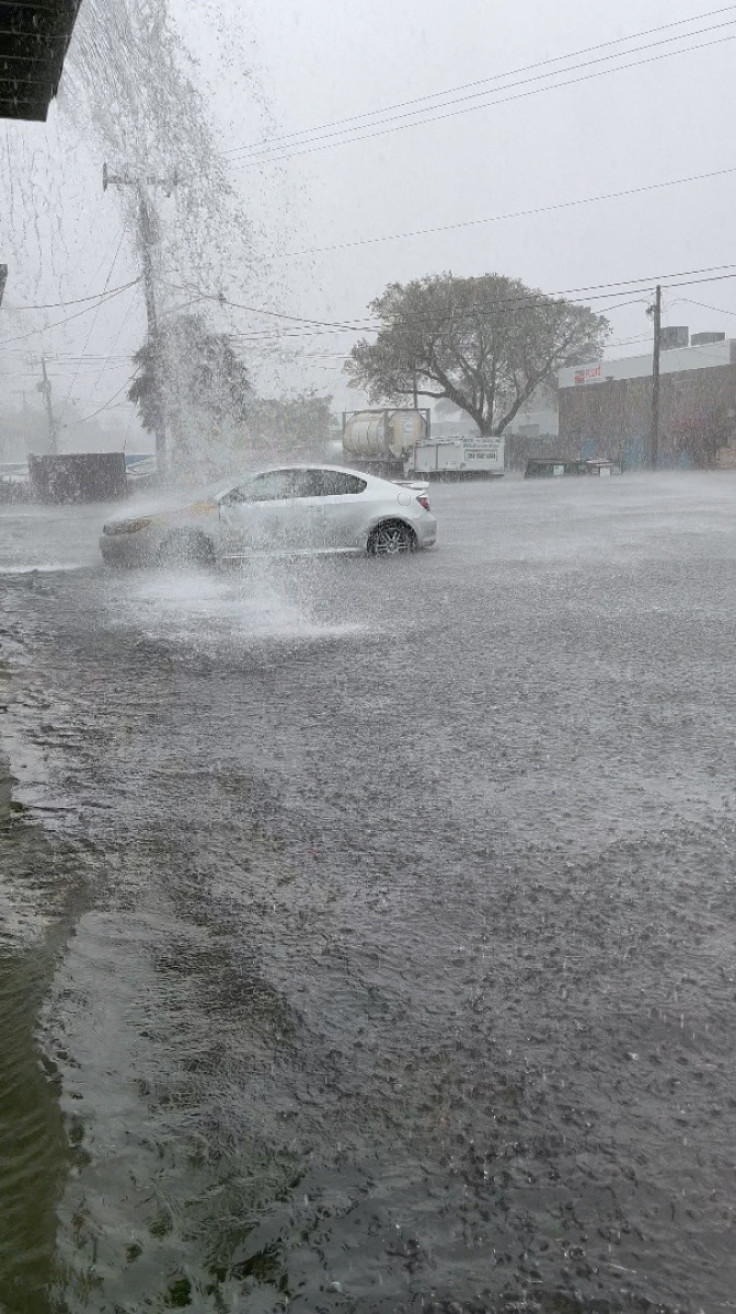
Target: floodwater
x=368 y=926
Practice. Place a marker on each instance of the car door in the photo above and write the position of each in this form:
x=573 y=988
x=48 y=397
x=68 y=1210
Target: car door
x=295 y=520
x=339 y=514
x=307 y=529
x=267 y=513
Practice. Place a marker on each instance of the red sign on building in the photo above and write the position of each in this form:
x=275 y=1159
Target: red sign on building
x=587 y=373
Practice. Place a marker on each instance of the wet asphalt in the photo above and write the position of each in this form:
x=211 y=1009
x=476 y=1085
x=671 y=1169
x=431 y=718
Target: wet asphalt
x=371 y=923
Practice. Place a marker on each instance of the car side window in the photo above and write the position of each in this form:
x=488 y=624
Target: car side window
x=274 y=485
x=277 y=484
x=334 y=483
x=304 y=483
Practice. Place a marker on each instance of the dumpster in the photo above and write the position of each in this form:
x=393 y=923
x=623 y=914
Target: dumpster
x=557 y=467
x=78 y=477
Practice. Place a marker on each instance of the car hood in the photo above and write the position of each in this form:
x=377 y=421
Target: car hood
x=177 y=504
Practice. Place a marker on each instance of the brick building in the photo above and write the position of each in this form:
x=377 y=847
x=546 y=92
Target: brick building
x=605 y=409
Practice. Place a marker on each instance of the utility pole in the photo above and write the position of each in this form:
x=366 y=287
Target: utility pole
x=656 y=312
x=147 y=238
x=45 y=388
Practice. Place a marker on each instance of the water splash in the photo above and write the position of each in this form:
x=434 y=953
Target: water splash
x=248 y=608
x=129 y=79
x=134 y=98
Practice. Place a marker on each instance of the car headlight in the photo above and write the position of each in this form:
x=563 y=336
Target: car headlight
x=126 y=526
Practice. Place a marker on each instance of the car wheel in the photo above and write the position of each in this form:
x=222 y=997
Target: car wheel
x=186 y=547
x=390 y=537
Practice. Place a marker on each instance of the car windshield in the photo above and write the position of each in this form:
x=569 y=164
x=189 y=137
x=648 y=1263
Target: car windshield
x=220 y=488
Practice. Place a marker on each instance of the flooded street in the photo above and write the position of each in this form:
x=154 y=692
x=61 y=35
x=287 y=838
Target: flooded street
x=368 y=925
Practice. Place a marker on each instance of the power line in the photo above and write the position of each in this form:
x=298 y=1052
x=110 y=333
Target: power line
x=21 y=337
x=719 y=310
x=89 y=360
x=106 y=406
x=61 y=305
x=693 y=282
x=103 y=262
x=284 y=138
x=301 y=327
x=307 y=327
x=628 y=342
x=94 y=321
x=222 y=300
x=515 y=214
x=358 y=325
x=96 y=383
x=324 y=144
x=58 y=375
x=266 y=338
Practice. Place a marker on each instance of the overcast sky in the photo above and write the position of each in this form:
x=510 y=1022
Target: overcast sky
x=269 y=71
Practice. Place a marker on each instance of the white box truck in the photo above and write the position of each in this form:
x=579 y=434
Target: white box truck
x=456 y=458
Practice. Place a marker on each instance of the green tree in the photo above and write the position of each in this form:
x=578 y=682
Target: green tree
x=484 y=344
x=293 y=428
x=191 y=380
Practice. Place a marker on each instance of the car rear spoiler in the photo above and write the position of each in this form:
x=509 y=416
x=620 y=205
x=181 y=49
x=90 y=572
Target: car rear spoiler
x=416 y=485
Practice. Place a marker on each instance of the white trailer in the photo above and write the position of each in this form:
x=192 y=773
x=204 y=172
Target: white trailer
x=456 y=458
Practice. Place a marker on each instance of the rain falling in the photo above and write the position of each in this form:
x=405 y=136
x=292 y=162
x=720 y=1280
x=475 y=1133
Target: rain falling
x=367 y=556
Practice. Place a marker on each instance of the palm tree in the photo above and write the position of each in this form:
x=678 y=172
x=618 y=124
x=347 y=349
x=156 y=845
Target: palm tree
x=189 y=379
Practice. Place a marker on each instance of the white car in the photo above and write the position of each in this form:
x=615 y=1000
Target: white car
x=289 y=511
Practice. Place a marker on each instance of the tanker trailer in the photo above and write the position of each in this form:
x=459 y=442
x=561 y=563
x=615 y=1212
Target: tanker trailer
x=378 y=441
